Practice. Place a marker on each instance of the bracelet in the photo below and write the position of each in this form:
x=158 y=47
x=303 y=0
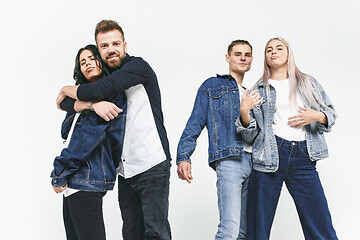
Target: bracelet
x=91 y=107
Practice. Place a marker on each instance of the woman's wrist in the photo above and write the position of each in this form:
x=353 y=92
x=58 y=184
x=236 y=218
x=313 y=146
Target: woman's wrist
x=322 y=118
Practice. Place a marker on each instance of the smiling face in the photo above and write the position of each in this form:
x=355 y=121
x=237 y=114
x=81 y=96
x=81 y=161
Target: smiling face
x=239 y=59
x=276 y=54
x=89 y=66
x=112 y=47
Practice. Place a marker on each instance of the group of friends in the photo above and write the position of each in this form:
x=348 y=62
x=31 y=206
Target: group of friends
x=259 y=138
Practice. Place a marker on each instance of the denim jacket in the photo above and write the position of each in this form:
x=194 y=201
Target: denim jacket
x=260 y=132
x=90 y=160
x=217 y=106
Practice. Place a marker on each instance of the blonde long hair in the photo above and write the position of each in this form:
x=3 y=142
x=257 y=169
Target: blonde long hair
x=300 y=83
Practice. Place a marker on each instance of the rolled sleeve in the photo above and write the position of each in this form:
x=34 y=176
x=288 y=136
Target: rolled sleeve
x=248 y=134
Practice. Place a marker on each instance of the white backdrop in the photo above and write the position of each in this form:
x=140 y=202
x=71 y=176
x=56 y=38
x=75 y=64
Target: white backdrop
x=185 y=43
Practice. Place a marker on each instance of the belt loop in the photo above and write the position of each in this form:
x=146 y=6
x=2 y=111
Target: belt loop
x=279 y=140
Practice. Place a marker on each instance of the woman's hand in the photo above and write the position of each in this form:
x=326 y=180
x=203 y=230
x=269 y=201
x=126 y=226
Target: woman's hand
x=307 y=116
x=106 y=110
x=59 y=189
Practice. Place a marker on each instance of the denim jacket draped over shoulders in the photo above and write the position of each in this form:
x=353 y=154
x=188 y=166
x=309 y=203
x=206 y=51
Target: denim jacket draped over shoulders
x=90 y=160
x=260 y=132
x=217 y=106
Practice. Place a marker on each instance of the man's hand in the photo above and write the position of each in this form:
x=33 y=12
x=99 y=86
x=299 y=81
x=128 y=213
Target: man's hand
x=59 y=189
x=307 y=116
x=67 y=91
x=184 y=171
x=106 y=110
x=248 y=102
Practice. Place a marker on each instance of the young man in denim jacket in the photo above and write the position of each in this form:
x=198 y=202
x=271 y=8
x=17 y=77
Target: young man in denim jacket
x=217 y=106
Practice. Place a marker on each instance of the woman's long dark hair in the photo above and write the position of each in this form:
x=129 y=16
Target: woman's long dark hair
x=78 y=75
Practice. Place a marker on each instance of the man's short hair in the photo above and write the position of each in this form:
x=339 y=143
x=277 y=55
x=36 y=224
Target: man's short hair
x=236 y=42
x=108 y=25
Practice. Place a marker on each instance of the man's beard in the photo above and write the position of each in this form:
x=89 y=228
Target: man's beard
x=114 y=64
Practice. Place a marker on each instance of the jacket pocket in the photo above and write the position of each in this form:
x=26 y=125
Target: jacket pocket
x=84 y=171
x=218 y=98
x=219 y=117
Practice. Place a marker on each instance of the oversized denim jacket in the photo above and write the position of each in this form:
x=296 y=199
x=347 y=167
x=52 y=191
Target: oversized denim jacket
x=260 y=132
x=90 y=160
x=217 y=106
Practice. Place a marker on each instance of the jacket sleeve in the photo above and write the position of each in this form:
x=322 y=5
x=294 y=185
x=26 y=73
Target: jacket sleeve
x=66 y=125
x=249 y=133
x=329 y=112
x=89 y=134
x=134 y=72
x=193 y=128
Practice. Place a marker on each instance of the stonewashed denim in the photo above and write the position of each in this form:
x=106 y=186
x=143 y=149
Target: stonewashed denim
x=232 y=189
x=260 y=132
x=144 y=204
x=89 y=162
x=217 y=106
x=303 y=182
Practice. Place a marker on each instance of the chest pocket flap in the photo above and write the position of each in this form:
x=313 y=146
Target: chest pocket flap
x=218 y=93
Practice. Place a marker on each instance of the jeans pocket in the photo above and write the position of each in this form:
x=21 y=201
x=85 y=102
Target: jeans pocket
x=304 y=151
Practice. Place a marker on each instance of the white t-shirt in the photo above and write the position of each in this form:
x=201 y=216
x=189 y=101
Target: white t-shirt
x=142 y=148
x=247 y=146
x=68 y=191
x=283 y=110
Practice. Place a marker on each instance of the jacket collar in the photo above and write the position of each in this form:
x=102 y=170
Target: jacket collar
x=228 y=76
x=261 y=83
x=225 y=76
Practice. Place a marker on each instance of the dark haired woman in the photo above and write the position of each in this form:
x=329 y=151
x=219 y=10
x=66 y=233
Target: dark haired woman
x=86 y=168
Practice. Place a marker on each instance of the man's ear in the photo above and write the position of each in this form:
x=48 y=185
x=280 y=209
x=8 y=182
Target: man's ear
x=125 y=46
x=227 y=58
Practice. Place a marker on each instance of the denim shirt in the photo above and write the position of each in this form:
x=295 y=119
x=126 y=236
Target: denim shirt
x=217 y=106
x=89 y=162
x=260 y=132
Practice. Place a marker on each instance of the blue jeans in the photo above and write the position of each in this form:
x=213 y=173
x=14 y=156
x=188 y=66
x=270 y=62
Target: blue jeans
x=144 y=204
x=303 y=182
x=232 y=187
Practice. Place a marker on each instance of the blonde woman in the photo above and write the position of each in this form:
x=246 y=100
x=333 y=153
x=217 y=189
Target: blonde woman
x=286 y=130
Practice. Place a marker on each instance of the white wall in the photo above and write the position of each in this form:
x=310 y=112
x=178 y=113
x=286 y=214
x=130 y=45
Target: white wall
x=185 y=42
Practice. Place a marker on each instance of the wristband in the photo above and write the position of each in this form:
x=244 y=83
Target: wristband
x=91 y=107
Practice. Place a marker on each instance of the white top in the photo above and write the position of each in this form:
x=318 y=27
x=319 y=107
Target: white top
x=68 y=191
x=247 y=146
x=283 y=110
x=142 y=145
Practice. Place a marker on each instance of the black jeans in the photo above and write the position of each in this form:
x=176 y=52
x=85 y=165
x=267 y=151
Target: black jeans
x=83 y=216
x=144 y=204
